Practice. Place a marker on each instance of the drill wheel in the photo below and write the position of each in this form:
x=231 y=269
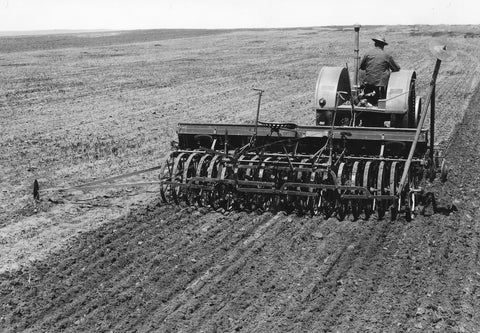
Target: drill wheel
x=190 y=169
x=356 y=204
x=381 y=205
x=165 y=174
x=368 y=182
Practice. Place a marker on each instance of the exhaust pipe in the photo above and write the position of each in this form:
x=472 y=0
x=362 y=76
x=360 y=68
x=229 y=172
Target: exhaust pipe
x=356 y=51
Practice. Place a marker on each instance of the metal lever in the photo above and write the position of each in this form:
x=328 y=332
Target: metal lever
x=260 y=92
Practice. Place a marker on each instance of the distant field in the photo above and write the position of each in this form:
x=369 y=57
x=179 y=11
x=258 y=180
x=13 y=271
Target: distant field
x=92 y=39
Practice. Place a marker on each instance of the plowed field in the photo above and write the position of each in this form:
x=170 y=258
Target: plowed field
x=119 y=261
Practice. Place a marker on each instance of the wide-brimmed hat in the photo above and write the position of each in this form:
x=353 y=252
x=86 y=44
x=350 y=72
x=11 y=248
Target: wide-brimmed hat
x=380 y=40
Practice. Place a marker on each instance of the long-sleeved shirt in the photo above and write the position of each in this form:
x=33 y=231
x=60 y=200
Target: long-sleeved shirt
x=377 y=65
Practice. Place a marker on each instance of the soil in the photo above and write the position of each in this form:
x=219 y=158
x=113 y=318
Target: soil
x=119 y=261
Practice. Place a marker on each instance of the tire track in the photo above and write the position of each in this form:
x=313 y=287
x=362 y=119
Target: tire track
x=114 y=263
x=228 y=266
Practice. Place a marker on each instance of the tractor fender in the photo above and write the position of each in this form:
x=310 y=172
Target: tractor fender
x=330 y=81
x=399 y=90
x=401 y=98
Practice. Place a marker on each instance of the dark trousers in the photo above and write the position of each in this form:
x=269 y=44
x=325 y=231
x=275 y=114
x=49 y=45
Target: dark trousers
x=376 y=92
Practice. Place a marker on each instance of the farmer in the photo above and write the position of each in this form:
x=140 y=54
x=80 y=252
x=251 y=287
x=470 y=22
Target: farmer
x=377 y=65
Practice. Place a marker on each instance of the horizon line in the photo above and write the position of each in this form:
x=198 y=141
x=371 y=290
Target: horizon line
x=29 y=32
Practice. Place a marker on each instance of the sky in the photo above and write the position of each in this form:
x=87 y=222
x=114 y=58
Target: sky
x=30 y=15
